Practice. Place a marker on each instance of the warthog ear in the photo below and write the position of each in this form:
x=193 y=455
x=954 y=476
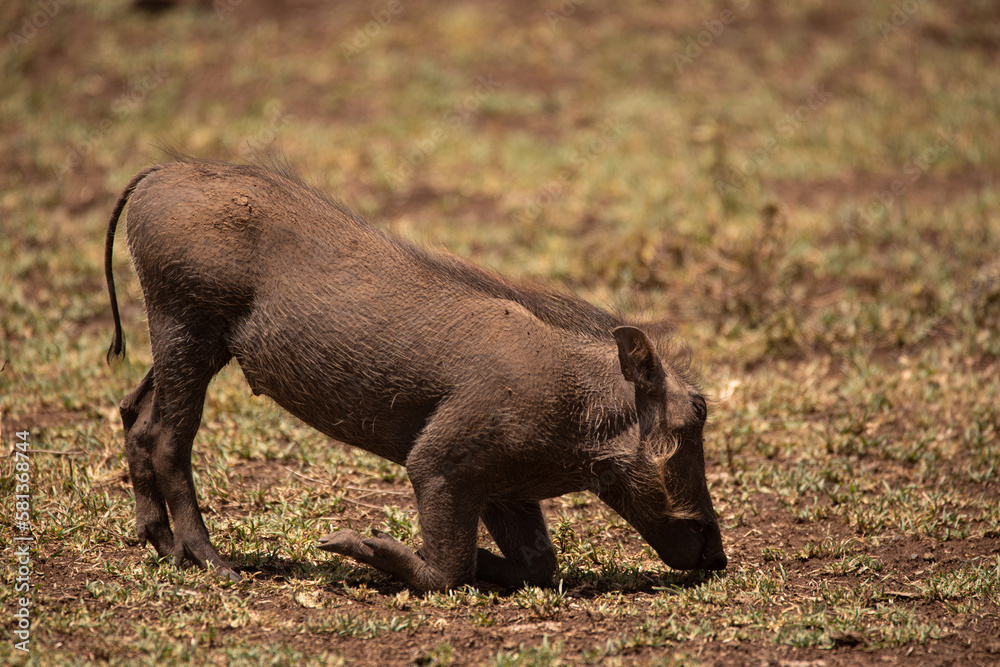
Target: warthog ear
x=639 y=362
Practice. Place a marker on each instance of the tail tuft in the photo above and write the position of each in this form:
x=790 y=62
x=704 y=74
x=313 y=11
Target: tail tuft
x=116 y=351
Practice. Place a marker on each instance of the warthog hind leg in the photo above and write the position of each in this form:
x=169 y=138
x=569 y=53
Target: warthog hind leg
x=168 y=410
x=152 y=523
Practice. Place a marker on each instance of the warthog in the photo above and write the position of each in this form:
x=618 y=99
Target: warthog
x=494 y=395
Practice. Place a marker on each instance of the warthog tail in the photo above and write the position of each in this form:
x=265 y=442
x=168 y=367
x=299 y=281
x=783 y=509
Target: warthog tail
x=117 y=348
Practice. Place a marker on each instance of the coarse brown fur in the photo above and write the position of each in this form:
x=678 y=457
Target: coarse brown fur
x=493 y=394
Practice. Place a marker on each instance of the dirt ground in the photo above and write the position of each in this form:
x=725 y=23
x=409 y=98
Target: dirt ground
x=971 y=640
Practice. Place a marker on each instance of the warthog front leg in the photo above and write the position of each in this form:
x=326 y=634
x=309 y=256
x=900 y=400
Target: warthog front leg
x=381 y=551
x=518 y=529
x=449 y=519
x=520 y=533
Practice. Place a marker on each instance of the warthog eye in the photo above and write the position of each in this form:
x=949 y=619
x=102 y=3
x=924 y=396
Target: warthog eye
x=700 y=408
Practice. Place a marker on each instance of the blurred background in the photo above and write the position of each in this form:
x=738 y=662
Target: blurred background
x=790 y=176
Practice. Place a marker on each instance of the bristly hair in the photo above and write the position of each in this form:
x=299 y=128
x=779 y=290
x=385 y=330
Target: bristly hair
x=673 y=351
x=673 y=507
x=272 y=165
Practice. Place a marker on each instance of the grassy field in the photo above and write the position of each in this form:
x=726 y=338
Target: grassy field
x=807 y=190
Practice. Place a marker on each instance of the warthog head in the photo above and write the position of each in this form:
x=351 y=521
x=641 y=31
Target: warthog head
x=665 y=494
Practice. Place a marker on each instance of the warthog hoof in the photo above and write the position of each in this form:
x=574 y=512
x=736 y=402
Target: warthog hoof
x=346 y=543
x=205 y=557
x=382 y=552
